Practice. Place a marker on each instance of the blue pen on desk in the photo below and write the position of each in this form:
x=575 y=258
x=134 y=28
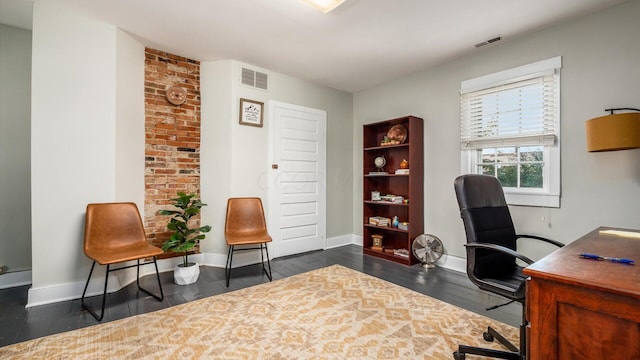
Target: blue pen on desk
x=612 y=259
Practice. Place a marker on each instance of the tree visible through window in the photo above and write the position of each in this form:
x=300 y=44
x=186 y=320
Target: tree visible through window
x=516 y=167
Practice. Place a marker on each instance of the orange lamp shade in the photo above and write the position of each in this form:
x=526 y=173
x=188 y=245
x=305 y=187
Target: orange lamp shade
x=614 y=132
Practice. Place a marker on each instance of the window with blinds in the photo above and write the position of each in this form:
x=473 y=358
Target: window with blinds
x=510 y=129
x=520 y=113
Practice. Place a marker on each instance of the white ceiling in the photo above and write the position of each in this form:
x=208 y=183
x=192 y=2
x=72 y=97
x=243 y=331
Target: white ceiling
x=360 y=44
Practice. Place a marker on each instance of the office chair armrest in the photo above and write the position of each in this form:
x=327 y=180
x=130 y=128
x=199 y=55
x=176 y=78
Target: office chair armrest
x=501 y=249
x=556 y=243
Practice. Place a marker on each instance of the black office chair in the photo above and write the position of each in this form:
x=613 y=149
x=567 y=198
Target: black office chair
x=491 y=254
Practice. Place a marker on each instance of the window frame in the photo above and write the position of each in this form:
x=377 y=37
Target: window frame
x=549 y=194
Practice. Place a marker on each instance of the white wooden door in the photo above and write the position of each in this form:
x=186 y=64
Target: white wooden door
x=297 y=196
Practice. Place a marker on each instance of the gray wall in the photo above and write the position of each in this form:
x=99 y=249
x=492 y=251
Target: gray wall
x=232 y=168
x=80 y=68
x=15 y=154
x=601 y=69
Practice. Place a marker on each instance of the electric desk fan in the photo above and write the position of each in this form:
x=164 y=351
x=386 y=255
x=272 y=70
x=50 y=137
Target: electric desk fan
x=428 y=249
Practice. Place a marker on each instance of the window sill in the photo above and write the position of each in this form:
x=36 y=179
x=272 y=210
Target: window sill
x=538 y=200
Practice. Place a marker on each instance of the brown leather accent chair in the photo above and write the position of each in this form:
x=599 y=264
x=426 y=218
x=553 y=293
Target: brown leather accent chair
x=114 y=233
x=245 y=225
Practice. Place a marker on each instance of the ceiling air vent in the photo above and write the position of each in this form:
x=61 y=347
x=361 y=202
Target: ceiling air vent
x=487 y=42
x=255 y=79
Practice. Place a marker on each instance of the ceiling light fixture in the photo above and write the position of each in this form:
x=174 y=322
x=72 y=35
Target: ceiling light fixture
x=324 y=5
x=614 y=131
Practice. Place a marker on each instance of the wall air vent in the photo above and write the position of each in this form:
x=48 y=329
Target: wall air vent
x=255 y=79
x=487 y=42
x=262 y=81
x=248 y=77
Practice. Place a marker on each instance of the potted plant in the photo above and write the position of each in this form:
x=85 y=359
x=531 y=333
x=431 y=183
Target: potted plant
x=184 y=238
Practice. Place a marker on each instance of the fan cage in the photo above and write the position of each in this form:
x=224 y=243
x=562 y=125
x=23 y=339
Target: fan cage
x=428 y=249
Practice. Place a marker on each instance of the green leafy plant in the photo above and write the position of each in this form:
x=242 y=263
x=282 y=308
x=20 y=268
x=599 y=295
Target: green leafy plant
x=184 y=238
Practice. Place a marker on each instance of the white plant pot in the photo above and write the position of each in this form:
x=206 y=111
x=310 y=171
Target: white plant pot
x=186 y=275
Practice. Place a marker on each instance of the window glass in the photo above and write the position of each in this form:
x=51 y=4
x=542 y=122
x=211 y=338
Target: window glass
x=510 y=127
x=515 y=167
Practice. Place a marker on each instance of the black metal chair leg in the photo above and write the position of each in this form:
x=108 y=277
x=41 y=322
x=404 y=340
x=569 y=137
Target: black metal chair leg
x=106 y=282
x=87 y=284
x=227 y=267
x=159 y=298
x=104 y=294
x=268 y=262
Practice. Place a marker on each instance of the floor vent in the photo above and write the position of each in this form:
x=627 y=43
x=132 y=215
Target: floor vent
x=255 y=79
x=487 y=42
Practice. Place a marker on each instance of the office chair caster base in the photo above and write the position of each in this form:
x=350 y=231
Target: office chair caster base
x=487 y=337
x=463 y=350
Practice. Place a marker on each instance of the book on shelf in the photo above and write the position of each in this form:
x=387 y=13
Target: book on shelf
x=401 y=252
x=379 y=221
x=394 y=199
x=402 y=172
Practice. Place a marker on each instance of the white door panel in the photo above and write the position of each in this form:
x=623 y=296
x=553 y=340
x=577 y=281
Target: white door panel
x=299 y=145
x=298 y=187
x=299 y=232
x=297 y=196
x=309 y=208
x=287 y=166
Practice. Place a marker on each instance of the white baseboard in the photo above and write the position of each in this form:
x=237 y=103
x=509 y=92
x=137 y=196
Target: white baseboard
x=215 y=260
x=14 y=279
x=446 y=261
x=453 y=263
x=343 y=240
x=240 y=259
x=118 y=280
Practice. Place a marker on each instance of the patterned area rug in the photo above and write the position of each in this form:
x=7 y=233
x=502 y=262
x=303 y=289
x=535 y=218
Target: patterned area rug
x=330 y=313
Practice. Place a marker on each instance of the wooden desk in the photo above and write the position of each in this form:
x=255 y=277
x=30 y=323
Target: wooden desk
x=585 y=309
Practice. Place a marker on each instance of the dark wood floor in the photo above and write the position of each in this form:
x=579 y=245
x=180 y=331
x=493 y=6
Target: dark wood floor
x=18 y=324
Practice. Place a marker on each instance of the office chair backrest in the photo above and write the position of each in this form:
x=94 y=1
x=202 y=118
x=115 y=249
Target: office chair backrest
x=112 y=226
x=245 y=216
x=486 y=219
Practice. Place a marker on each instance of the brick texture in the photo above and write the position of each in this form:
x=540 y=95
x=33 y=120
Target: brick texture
x=172 y=137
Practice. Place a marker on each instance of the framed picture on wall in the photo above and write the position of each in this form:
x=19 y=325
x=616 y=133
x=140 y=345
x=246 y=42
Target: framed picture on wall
x=251 y=112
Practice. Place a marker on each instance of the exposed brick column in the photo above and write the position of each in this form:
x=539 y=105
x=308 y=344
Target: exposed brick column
x=172 y=137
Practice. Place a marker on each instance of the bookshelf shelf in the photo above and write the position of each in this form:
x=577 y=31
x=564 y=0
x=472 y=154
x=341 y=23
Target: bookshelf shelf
x=409 y=186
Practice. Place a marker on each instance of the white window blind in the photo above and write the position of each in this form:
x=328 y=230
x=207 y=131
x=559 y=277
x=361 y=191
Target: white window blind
x=522 y=112
x=506 y=118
